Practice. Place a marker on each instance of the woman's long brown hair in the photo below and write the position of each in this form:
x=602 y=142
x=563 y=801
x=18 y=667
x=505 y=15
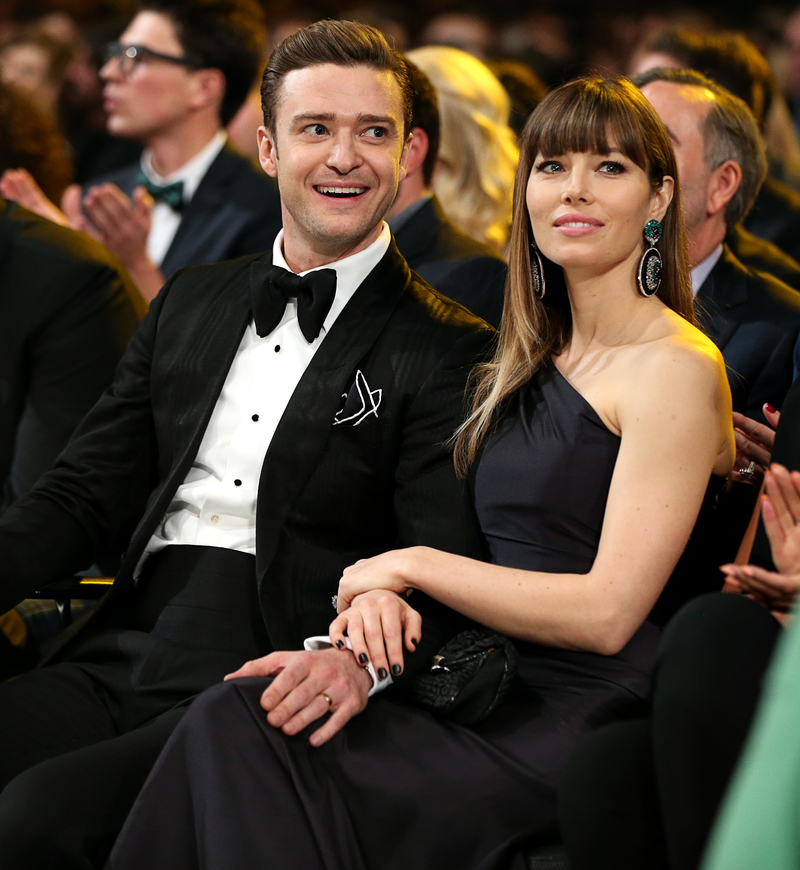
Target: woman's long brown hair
x=594 y=115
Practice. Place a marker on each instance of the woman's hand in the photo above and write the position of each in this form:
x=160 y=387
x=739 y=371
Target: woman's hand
x=378 y=624
x=392 y=571
x=754 y=443
x=775 y=591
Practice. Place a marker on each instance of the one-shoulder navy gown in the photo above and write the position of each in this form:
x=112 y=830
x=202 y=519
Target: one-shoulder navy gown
x=398 y=788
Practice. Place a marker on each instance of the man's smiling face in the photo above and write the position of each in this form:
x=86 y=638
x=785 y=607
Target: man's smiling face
x=338 y=153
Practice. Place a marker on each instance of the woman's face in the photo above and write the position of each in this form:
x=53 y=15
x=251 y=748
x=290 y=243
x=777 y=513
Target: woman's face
x=589 y=210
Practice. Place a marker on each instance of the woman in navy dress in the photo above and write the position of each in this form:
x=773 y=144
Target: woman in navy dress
x=594 y=433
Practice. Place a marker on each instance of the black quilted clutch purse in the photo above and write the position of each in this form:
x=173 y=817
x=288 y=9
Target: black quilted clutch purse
x=468 y=677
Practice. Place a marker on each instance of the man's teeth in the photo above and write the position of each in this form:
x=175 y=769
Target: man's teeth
x=342 y=191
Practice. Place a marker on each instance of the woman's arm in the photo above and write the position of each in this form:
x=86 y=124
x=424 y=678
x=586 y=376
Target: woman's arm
x=674 y=415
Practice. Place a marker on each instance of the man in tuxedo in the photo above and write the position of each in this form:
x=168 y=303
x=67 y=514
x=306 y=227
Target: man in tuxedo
x=175 y=79
x=752 y=317
x=455 y=264
x=264 y=431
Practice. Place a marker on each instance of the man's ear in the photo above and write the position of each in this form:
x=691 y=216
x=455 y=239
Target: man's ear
x=416 y=150
x=267 y=152
x=722 y=186
x=209 y=88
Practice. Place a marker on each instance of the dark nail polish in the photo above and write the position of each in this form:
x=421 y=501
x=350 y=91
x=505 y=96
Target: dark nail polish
x=339 y=644
x=396 y=669
x=382 y=673
x=414 y=641
x=363 y=658
x=770 y=408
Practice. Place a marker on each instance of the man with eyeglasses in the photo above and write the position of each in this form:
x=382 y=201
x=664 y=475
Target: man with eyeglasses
x=177 y=76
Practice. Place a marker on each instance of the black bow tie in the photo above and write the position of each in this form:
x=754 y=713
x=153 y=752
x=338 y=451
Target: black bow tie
x=271 y=288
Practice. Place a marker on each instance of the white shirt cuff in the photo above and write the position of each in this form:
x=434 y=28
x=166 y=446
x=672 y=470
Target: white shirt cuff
x=323 y=641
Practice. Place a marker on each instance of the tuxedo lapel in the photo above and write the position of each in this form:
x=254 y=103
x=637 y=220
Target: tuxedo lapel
x=198 y=366
x=724 y=290
x=309 y=416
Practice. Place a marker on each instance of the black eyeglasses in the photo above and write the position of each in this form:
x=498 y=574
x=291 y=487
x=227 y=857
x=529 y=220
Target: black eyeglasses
x=130 y=56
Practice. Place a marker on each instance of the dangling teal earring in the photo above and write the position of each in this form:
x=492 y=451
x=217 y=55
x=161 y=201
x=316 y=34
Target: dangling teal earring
x=650 y=266
x=537 y=271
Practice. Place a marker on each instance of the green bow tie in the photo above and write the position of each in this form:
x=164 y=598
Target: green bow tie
x=171 y=194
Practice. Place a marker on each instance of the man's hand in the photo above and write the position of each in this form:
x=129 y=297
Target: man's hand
x=18 y=185
x=754 y=443
x=296 y=697
x=119 y=222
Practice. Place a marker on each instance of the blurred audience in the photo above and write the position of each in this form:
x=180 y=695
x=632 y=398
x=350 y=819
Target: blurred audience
x=732 y=61
x=450 y=261
x=32 y=144
x=468 y=31
x=35 y=62
x=179 y=73
x=525 y=89
x=478 y=152
x=752 y=317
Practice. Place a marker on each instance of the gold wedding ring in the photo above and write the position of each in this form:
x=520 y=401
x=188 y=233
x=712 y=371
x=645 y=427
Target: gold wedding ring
x=328 y=698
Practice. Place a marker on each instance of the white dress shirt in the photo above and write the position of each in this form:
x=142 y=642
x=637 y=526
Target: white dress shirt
x=164 y=220
x=703 y=269
x=215 y=506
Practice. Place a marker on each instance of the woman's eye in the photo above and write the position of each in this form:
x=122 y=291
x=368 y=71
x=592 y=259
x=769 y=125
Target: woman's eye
x=611 y=167
x=549 y=166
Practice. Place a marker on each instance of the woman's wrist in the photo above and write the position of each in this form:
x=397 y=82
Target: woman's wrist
x=416 y=566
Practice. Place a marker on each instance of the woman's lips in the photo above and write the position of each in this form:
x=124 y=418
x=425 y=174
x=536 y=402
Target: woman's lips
x=577 y=225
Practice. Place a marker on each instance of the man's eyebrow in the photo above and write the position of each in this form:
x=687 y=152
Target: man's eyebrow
x=672 y=136
x=377 y=119
x=308 y=117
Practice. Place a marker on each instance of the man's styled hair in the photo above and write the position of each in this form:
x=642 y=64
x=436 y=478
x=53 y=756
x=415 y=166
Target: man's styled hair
x=228 y=35
x=727 y=58
x=341 y=43
x=425 y=115
x=730 y=132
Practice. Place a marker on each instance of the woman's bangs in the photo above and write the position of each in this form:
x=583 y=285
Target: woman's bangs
x=590 y=120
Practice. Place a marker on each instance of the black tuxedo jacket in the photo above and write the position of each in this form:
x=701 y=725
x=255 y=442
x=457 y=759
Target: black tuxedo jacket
x=763 y=256
x=67 y=311
x=329 y=494
x=754 y=319
x=776 y=216
x=235 y=211
x=453 y=263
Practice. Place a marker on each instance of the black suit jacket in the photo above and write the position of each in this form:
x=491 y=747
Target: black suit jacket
x=453 y=263
x=776 y=216
x=67 y=311
x=763 y=256
x=328 y=494
x=235 y=211
x=754 y=319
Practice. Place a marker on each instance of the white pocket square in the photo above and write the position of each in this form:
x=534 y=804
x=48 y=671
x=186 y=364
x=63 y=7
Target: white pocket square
x=359 y=403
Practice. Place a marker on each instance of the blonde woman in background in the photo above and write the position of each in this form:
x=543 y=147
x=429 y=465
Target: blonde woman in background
x=478 y=152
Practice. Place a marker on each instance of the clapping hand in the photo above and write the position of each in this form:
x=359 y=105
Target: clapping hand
x=19 y=186
x=780 y=511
